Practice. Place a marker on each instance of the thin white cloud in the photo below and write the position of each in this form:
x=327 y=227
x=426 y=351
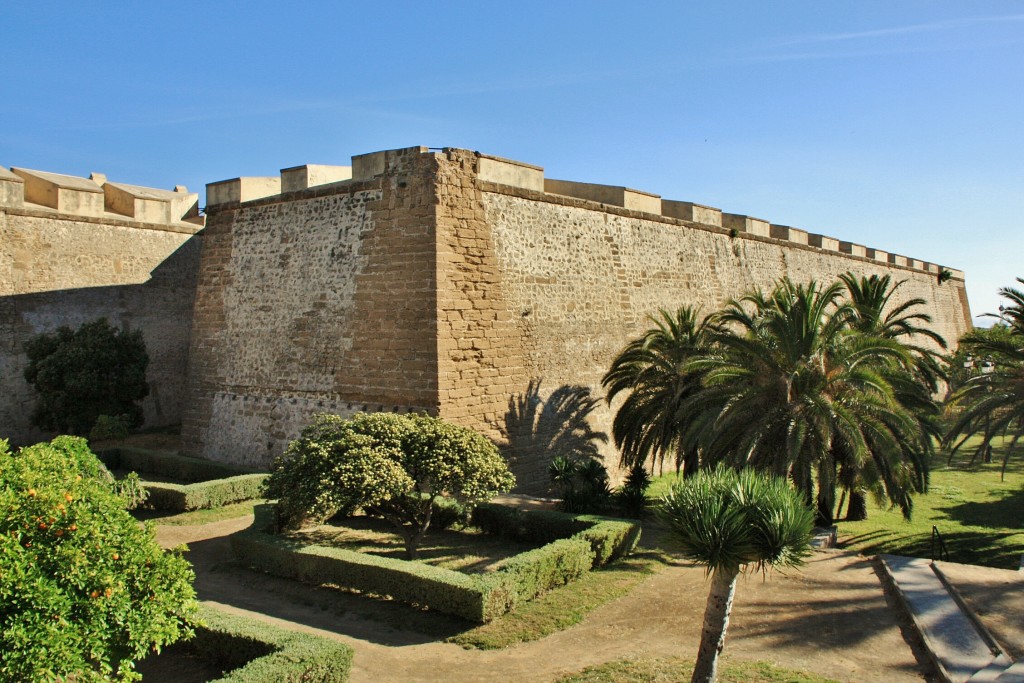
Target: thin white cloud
x=901 y=30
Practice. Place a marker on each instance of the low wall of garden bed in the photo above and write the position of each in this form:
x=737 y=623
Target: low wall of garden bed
x=574 y=544
x=253 y=651
x=212 y=484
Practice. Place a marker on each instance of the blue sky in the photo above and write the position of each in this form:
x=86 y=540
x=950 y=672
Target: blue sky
x=894 y=124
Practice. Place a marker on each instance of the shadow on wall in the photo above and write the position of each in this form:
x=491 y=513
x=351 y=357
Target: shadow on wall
x=161 y=307
x=536 y=430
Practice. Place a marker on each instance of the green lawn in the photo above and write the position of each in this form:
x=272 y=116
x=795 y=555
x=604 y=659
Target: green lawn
x=677 y=669
x=980 y=515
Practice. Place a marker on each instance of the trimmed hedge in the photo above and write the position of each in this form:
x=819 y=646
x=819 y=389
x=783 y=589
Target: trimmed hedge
x=262 y=653
x=609 y=538
x=478 y=598
x=215 y=484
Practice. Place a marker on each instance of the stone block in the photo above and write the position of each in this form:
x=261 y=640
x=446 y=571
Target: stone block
x=878 y=255
x=853 y=249
x=823 y=242
x=310 y=175
x=897 y=260
x=747 y=224
x=688 y=211
x=613 y=195
x=242 y=190
x=65 y=193
x=509 y=172
x=366 y=166
x=784 y=232
x=150 y=205
x=12 y=188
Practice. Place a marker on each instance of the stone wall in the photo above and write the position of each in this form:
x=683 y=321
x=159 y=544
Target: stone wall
x=69 y=260
x=317 y=300
x=470 y=287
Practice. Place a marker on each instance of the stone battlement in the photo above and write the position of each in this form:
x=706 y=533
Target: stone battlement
x=97 y=198
x=523 y=176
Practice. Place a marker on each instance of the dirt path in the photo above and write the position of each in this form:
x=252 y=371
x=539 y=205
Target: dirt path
x=833 y=618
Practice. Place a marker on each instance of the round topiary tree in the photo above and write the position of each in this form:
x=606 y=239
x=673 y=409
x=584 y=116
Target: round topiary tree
x=84 y=590
x=85 y=373
x=393 y=466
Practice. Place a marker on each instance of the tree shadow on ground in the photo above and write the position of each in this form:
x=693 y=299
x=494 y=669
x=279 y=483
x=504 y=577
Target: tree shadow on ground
x=1006 y=512
x=536 y=430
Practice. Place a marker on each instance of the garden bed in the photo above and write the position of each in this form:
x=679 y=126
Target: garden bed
x=564 y=547
x=178 y=483
x=230 y=648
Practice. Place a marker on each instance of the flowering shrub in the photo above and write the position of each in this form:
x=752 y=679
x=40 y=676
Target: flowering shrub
x=84 y=590
x=393 y=466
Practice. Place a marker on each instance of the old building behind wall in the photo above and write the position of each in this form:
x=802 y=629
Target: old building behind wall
x=466 y=286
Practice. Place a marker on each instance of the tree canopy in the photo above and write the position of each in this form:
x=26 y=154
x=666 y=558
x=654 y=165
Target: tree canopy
x=394 y=466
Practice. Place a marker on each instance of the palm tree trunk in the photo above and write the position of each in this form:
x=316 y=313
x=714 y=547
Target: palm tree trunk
x=716 y=621
x=858 y=509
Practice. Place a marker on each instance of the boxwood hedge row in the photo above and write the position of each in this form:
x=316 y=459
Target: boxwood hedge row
x=478 y=598
x=214 y=484
x=256 y=652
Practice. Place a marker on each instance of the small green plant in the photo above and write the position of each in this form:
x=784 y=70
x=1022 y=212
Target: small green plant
x=392 y=466
x=631 y=497
x=85 y=373
x=945 y=275
x=582 y=484
x=85 y=591
x=110 y=428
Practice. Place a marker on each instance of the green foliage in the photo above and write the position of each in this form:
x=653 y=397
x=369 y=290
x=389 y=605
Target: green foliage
x=393 y=466
x=584 y=542
x=258 y=652
x=85 y=373
x=727 y=520
x=582 y=484
x=110 y=427
x=991 y=404
x=205 y=494
x=84 y=589
x=631 y=497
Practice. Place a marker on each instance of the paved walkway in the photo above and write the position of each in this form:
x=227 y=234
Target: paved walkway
x=960 y=646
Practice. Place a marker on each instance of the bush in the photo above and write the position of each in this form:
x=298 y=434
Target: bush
x=631 y=497
x=582 y=484
x=109 y=428
x=392 y=466
x=257 y=652
x=84 y=589
x=586 y=542
x=82 y=374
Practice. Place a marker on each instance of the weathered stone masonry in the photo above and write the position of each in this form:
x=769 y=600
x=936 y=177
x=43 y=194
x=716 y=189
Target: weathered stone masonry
x=443 y=281
x=76 y=249
x=447 y=281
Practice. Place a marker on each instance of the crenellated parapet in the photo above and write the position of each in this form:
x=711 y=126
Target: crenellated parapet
x=528 y=177
x=97 y=198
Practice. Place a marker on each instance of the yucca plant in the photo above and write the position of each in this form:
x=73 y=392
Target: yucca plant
x=730 y=522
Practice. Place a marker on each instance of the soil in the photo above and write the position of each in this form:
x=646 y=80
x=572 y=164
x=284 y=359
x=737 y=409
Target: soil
x=177 y=664
x=467 y=551
x=832 y=618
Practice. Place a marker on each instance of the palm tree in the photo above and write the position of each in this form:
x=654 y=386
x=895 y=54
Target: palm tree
x=795 y=389
x=655 y=370
x=875 y=314
x=730 y=521
x=992 y=403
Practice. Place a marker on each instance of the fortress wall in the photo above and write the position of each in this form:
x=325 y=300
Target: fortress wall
x=74 y=262
x=579 y=279
x=316 y=300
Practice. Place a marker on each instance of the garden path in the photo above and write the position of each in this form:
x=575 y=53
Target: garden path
x=833 y=618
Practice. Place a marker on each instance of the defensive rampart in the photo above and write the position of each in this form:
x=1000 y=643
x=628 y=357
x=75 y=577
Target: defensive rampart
x=76 y=249
x=468 y=286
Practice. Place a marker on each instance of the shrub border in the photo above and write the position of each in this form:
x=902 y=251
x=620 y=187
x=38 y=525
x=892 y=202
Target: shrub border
x=265 y=653
x=215 y=484
x=586 y=542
